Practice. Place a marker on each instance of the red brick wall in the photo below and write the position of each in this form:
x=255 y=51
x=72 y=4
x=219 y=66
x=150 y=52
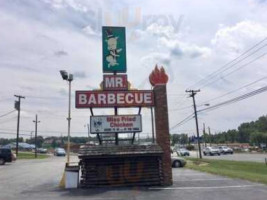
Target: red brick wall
x=162 y=131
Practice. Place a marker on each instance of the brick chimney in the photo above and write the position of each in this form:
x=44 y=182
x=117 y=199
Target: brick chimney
x=158 y=79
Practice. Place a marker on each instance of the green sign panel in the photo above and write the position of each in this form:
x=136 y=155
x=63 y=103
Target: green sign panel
x=114 y=49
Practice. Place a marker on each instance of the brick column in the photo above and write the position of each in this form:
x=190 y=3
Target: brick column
x=162 y=131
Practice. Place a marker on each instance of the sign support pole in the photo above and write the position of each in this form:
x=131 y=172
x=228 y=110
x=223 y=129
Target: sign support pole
x=116 y=113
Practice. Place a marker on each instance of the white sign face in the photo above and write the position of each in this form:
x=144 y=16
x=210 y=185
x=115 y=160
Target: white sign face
x=116 y=124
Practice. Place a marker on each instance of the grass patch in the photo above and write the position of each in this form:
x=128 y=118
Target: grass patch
x=256 y=172
x=29 y=155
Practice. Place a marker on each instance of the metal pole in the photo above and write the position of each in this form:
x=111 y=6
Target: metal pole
x=35 y=136
x=209 y=136
x=88 y=128
x=195 y=110
x=204 y=135
x=35 y=139
x=18 y=122
x=116 y=134
x=193 y=93
x=17 y=141
x=69 y=118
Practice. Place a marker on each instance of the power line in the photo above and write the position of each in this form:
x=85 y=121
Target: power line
x=236 y=99
x=7 y=113
x=224 y=67
x=188 y=118
x=238 y=89
x=242 y=66
x=184 y=108
x=7 y=120
x=40 y=97
x=13 y=133
x=52 y=131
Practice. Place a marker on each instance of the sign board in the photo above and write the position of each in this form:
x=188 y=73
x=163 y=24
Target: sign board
x=114 y=49
x=104 y=99
x=115 y=124
x=115 y=82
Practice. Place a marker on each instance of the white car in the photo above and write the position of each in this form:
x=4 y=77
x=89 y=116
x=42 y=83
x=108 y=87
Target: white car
x=178 y=162
x=225 y=150
x=59 y=152
x=182 y=152
x=211 y=151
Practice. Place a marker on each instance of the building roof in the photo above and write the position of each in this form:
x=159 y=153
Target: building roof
x=88 y=151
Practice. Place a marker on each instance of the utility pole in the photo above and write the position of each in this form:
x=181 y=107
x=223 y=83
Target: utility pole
x=204 y=135
x=17 y=107
x=209 y=135
x=193 y=93
x=35 y=140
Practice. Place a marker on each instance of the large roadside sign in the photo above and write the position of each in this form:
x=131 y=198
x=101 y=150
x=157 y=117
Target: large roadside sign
x=114 y=49
x=105 y=99
x=115 y=82
x=115 y=124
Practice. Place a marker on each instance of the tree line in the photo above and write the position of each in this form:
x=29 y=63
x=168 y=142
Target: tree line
x=254 y=133
x=48 y=141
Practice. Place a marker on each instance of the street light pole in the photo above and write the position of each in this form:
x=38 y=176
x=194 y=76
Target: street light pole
x=69 y=118
x=69 y=78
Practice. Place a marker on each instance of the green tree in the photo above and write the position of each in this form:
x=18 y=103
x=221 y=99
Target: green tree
x=175 y=139
x=258 y=138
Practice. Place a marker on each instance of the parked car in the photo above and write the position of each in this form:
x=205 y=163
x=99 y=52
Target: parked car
x=5 y=156
x=211 y=151
x=226 y=150
x=178 y=162
x=182 y=152
x=59 y=152
x=42 y=150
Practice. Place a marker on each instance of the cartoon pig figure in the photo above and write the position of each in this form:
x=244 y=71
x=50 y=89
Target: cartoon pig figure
x=98 y=124
x=113 y=51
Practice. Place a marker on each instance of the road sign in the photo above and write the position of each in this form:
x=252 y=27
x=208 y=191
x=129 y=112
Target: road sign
x=114 y=49
x=115 y=82
x=115 y=124
x=104 y=99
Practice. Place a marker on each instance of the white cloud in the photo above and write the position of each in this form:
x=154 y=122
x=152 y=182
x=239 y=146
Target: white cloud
x=234 y=39
x=88 y=30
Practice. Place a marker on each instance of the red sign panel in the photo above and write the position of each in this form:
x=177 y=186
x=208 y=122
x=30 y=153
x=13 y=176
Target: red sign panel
x=115 y=82
x=103 y=99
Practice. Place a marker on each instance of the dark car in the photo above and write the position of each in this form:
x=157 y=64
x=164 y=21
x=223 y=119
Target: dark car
x=178 y=162
x=5 y=156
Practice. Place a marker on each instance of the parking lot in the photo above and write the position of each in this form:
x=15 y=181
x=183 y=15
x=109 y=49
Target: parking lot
x=252 y=157
x=38 y=179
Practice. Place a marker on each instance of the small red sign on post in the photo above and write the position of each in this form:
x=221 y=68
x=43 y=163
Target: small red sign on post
x=115 y=82
x=104 y=99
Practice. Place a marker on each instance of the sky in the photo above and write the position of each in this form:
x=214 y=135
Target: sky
x=190 y=39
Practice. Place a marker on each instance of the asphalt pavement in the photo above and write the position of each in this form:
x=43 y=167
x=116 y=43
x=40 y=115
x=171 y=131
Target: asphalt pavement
x=252 y=157
x=38 y=179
